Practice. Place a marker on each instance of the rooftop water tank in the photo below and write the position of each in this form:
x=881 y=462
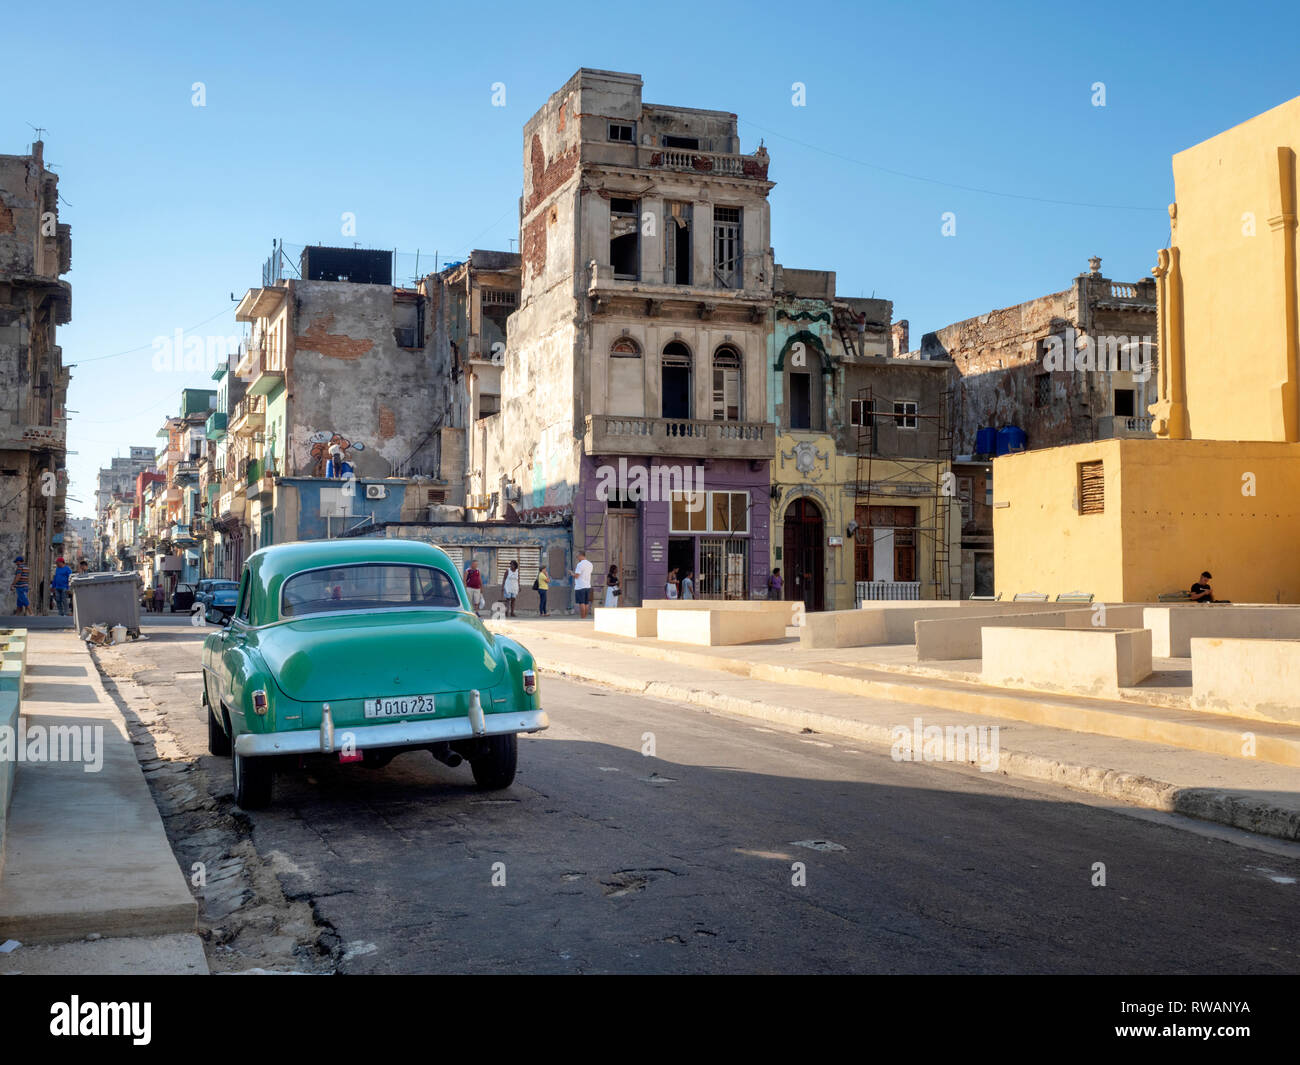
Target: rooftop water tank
x=1011 y=439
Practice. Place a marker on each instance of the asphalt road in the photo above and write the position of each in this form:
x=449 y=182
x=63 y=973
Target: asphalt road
x=602 y=859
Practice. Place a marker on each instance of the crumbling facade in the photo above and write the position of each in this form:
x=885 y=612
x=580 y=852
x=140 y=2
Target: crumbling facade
x=857 y=502
x=1072 y=367
x=35 y=251
x=1067 y=368
x=634 y=387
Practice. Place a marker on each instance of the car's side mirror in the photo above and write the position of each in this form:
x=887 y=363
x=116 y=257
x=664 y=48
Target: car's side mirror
x=226 y=619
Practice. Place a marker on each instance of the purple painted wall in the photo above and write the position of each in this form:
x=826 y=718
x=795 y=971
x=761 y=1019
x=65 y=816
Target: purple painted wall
x=732 y=475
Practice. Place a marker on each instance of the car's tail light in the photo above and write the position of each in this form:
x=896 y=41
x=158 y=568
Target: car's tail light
x=530 y=681
x=259 y=701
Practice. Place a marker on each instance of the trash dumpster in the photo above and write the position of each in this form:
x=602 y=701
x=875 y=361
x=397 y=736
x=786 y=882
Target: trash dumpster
x=106 y=598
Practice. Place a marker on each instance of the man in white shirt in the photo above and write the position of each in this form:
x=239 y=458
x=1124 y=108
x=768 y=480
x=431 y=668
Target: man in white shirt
x=582 y=584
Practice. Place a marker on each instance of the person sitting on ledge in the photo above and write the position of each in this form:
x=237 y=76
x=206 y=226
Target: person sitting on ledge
x=1201 y=590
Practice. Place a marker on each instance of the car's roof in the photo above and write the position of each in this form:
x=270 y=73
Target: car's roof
x=272 y=566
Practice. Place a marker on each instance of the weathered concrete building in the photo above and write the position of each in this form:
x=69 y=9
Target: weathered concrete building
x=469 y=306
x=1071 y=367
x=35 y=251
x=1066 y=368
x=862 y=449
x=634 y=386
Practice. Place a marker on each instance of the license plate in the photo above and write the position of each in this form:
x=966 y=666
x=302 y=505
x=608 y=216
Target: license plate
x=401 y=706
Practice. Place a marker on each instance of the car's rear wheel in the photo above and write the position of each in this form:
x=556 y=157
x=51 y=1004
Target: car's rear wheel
x=253 y=780
x=494 y=764
x=218 y=741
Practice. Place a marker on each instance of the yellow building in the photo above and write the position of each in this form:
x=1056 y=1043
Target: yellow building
x=1217 y=490
x=883 y=543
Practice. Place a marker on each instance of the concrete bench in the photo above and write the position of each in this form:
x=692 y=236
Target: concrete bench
x=1092 y=661
x=1173 y=627
x=707 y=627
x=634 y=621
x=946 y=639
x=1247 y=678
x=745 y=606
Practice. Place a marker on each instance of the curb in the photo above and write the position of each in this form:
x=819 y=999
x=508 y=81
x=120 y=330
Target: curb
x=1205 y=804
x=1209 y=733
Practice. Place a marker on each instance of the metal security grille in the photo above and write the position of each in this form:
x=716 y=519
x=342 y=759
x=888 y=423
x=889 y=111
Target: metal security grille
x=1092 y=488
x=724 y=565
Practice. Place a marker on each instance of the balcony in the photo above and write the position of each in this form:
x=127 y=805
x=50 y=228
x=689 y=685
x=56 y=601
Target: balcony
x=609 y=434
x=174 y=494
x=187 y=471
x=262 y=370
x=249 y=416
x=180 y=535
x=215 y=427
x=695 y=162
x=1121 y=426
x=602 y=285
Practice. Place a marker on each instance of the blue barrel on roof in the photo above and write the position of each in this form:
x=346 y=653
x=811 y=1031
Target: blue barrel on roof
x=986 y=441
x=1011 y=439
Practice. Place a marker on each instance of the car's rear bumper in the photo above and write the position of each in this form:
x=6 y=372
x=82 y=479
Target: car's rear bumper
x=389 y=734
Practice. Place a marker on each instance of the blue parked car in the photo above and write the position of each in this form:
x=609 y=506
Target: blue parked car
x=217 y=596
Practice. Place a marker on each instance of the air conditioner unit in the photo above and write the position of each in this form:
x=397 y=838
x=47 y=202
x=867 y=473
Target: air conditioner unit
x=376 y=491
x=512 y=493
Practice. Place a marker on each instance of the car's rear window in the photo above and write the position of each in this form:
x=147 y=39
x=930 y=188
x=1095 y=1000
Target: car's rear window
x=367 y=587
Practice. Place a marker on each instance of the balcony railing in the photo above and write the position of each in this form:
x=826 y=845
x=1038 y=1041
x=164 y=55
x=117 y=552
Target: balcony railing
x=261 y=368
x=248 y=416
x=1115 y=426
x=872 y=591
x=608 y=434
x=723 y=163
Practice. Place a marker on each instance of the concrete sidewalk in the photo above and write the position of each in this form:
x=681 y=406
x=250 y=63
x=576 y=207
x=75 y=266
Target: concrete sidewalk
x=86 y=852
x=1163 y=758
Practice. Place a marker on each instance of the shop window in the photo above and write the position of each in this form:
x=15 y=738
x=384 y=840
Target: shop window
x=715 y=512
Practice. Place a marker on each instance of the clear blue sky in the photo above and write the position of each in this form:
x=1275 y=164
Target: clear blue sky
x=317 y=109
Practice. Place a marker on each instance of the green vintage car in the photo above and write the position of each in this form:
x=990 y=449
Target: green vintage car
x=358 y=650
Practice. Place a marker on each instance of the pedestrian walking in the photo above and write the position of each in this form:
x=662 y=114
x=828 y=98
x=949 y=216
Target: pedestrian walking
x=542 y=584
x=19 y=586
x=670 y=587
x=774 y=584
x=581 y=575
x=688 y=585
x=474 y=584
x=62 y=574
x=510 y=588
x=158 y=598
x=612 y=588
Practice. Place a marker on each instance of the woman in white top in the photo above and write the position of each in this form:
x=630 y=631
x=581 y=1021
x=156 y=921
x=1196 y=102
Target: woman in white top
x=510 y=588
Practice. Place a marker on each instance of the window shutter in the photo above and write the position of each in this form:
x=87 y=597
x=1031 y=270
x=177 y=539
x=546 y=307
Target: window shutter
x=1092 y=488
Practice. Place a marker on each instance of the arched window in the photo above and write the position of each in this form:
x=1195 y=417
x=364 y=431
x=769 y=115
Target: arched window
x=626 y=378
x=675 y=380
x=726 y=385
x=625 y=348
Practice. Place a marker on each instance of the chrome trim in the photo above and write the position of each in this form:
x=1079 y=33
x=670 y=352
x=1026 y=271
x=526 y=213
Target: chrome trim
x=393 y=734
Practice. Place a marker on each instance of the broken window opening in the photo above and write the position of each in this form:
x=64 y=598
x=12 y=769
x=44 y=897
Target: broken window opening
x=677 y=244
x=624 y=239
x=800 y=400
x=726 y=247
x=726 y=384
x=1124 y=405
x=621 y=131
x=692 y=143
x=675 y=378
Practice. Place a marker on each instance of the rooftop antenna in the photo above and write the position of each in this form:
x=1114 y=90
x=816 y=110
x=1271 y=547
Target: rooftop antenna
x=39 y=131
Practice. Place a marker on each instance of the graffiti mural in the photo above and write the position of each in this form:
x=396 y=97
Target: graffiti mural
x=321 y=443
